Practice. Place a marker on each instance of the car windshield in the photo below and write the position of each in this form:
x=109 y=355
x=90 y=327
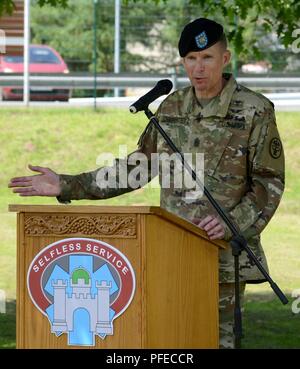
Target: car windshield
x=38 y=55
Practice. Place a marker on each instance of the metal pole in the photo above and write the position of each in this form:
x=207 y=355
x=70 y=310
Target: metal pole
x=95 y=54
x=26 y=86
x=234 y=54
x=117 y=43
x=174 y=79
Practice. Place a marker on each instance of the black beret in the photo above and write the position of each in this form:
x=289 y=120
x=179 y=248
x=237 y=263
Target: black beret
x=199 y=35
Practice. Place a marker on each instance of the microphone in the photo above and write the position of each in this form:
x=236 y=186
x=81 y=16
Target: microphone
x=163 y=87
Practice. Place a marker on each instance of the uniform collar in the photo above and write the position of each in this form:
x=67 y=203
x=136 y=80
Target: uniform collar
x=219 y=105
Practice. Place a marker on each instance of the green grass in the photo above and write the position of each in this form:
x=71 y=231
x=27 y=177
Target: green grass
x=268 y=324
x=70 y=140
x=8 y=326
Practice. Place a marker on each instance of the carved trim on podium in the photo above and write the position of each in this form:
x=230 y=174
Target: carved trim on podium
x=69 y=225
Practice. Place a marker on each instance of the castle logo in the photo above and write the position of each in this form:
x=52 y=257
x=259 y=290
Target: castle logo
x=81 y=285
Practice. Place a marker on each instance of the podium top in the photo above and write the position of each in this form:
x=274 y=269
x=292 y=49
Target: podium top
x=91 y=209
x=99 y=209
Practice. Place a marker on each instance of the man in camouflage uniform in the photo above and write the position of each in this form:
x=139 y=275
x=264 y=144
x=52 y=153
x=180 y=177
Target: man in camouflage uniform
x=236 y=130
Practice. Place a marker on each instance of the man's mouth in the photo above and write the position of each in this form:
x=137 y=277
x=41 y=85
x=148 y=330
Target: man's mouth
x=200 y=78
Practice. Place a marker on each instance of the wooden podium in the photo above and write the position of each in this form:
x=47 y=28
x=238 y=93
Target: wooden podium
x=175 y=304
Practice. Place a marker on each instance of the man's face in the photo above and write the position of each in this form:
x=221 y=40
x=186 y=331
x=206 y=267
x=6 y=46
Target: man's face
x=205 y=68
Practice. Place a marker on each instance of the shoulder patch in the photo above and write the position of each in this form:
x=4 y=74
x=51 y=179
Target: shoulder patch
x=275 y=148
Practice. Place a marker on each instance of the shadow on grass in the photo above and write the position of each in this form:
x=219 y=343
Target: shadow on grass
x=8 y=326
x=267 y=323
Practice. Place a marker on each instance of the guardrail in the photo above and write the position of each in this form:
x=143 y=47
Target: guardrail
x=110 y=81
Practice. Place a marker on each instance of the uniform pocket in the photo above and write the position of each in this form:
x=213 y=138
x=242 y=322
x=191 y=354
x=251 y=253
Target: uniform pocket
x=213 y=144
x=178 y=131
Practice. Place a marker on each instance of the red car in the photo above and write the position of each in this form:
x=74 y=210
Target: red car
x=43 y=59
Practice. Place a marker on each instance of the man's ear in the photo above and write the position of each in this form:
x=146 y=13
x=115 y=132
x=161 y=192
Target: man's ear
x=226 y=57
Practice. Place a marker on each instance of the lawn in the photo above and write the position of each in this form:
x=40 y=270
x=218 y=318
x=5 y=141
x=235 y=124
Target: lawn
x=70 y=141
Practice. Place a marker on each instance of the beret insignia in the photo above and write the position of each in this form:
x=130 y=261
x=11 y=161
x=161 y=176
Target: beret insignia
x=201 y=40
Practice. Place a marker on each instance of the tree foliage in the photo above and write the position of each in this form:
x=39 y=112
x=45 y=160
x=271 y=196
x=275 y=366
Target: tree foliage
x=252 y=27
x=71 y=32
x=280 y=16
x=8 y=6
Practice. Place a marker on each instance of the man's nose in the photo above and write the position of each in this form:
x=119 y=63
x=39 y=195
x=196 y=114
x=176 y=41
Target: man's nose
x=199 y=66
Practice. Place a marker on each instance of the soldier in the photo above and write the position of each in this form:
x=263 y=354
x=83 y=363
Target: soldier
x=236 y=130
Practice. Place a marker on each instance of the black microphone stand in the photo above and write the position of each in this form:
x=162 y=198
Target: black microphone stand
x=238 y=242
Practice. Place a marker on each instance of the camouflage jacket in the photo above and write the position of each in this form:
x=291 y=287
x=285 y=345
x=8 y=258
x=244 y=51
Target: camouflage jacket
x=243 y=165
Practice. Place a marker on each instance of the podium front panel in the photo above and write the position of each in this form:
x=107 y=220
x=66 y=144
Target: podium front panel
x=35 y=232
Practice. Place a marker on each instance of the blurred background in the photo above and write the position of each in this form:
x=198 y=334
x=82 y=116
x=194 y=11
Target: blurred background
x=82 y=47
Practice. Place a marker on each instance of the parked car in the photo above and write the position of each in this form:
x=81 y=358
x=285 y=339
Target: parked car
x=258 y=67
x=43 y=59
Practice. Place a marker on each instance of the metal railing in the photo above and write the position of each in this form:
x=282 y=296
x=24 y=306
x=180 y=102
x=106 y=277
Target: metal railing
x=111 y=81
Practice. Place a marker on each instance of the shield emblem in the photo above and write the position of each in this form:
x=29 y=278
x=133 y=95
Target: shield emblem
x=201 y=40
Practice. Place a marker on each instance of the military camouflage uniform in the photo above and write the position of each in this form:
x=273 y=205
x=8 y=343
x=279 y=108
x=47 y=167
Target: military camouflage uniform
x=243 y=169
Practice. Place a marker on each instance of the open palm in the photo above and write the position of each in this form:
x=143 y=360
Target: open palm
x=44 y=184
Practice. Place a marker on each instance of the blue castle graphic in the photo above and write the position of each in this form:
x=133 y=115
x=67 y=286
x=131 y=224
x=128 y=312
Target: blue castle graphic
x=81 y=301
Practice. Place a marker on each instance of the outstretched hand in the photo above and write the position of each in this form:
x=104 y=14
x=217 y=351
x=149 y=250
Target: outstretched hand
x=44 y=184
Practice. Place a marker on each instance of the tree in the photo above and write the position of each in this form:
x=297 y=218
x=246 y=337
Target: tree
x=246 y=21
x=8 y=6
x=280 y=16
x=70 y=31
